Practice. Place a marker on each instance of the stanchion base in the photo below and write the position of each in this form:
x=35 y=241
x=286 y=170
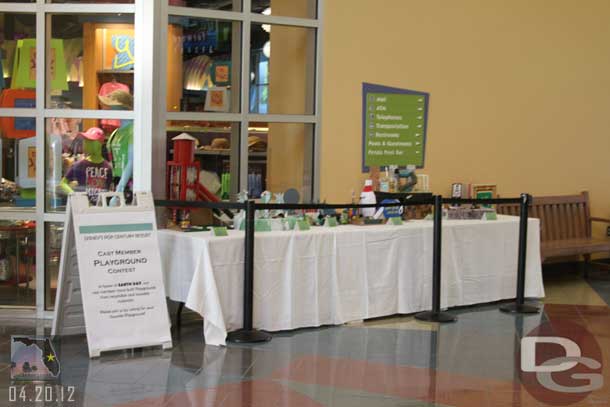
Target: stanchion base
x=515 y=308
x=248 y=336
x=433 y=316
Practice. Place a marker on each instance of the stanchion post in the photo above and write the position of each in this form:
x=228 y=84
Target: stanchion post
x=519 y=306
x=248 y=334
x=436 y=315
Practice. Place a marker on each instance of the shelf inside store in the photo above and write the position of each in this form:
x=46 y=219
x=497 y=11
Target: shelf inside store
x=261 y=154
x=115 y=71
x=227 y=153
x=197 y=129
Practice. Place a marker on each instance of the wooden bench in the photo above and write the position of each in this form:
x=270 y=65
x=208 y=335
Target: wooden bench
x=565 y=225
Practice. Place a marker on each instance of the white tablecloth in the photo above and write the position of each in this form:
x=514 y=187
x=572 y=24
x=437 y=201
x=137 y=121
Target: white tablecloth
x=336 y=275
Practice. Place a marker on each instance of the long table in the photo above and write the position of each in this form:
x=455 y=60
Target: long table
x=335 y=275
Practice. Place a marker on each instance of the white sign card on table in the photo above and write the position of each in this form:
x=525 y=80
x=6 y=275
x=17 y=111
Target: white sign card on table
x=110 y=281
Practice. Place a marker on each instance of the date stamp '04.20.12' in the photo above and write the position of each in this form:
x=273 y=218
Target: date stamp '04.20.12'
x=35 y=373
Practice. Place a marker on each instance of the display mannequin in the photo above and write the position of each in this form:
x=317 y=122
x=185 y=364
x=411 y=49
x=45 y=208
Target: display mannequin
x=120 y=142
x=120 y=146
x=92 y=174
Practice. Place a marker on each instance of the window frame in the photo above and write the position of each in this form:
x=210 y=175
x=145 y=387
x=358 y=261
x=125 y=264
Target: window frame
x=244 y=117
x=149 y=114
x=43 y=12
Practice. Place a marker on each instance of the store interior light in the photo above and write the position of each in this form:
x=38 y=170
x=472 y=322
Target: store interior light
x=267 y=12
x=267 y=49
x=259 y=129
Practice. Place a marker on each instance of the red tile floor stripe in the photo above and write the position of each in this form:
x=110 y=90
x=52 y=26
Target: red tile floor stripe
x=254 y=393
x=404 y=381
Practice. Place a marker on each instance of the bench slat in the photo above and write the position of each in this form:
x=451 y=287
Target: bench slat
x=544 y=234
x=572 y=227
x=569 y=221
x=582 y=230
x=549 y=212
x=562 y=220
x=587 y=214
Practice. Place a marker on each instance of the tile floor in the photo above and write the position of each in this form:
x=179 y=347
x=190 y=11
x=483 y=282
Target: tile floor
x=394 y=361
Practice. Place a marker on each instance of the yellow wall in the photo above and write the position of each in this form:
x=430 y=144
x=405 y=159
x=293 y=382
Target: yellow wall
x=520 y=91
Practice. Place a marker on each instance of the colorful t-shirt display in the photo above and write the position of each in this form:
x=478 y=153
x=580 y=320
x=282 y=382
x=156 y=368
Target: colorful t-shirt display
x=118 y=146
x=92 y=178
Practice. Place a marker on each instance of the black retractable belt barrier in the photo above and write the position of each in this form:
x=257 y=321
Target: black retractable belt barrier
x=519 y=306
x=436 y=315
x=248 y=334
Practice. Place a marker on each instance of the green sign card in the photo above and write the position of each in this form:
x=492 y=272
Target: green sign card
x=220 y=231
x=396 y=221
x=262 y=225
x=303 y=225
x=394 y=126
x=289 y=222
x=331 y=222
x=491 y=216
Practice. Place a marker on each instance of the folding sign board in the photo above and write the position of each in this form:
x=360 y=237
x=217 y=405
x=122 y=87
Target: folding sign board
x=110 y=281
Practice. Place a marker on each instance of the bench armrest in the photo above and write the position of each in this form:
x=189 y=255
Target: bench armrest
x=600 y=220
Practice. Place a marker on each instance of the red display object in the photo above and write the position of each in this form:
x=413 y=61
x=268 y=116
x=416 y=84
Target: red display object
x=182 y=184
x=17 y=98
x=184 y=149
x=183 y=171
x=183 y=180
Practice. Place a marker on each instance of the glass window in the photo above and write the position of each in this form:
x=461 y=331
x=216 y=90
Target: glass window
x=17 y=162
x=203 y=65
x=215 y=153
x=92 y=61
x=87 y=155
x=17 y=263
x=286 y=8
x=53 y=236
x=17 y=60
x=280 y=157
x=282 y=64
x=225 y=5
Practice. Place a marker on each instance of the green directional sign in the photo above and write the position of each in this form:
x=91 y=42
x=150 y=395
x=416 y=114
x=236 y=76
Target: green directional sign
x=394 y=128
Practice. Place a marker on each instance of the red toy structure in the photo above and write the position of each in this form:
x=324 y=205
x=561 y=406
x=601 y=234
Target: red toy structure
x=183 y=171
x=183 y=179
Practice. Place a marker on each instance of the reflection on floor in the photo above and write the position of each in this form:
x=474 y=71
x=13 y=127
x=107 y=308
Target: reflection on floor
x=384 y=362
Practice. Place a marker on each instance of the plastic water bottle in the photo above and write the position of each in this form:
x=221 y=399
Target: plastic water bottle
x=368 y=197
